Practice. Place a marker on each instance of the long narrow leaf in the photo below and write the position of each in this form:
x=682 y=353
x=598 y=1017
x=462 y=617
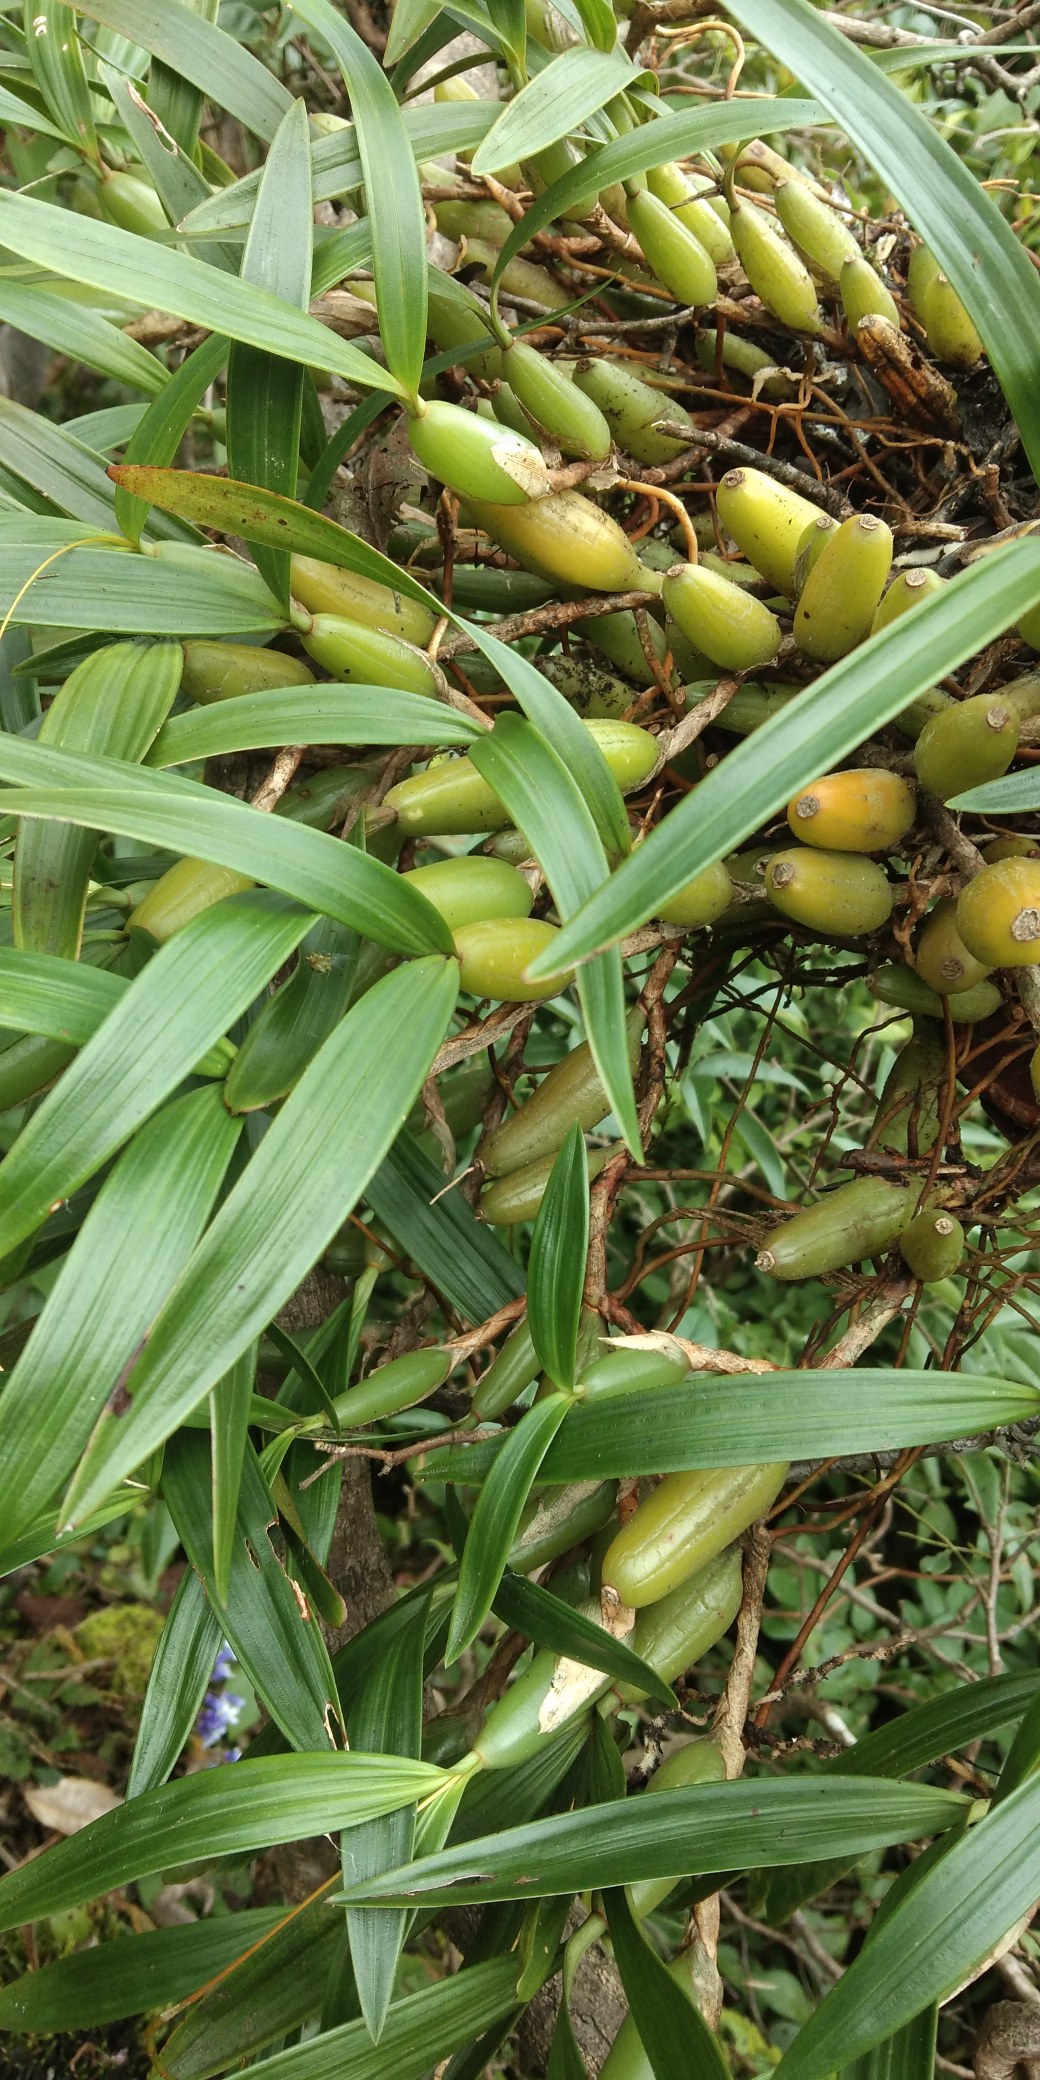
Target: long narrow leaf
x=815 y=731
x=221 y=1812
x=177 y=1683
x=130 y=1250
x=159 y=277
x=934 y=1933
x=324 y=714
x=308 y=1172
x=216 y=63
x=183 y=1000
x=781 y=1415
x=494 y=1522
x=393 y=197
x=713 y=1827
x=556 y=1266
x=544 y=799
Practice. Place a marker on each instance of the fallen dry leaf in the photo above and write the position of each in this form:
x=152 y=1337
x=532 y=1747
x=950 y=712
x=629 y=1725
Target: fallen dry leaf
x=69 y=1804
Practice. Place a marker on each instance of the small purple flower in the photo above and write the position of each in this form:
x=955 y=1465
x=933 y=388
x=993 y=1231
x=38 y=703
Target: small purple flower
x=220 y=1708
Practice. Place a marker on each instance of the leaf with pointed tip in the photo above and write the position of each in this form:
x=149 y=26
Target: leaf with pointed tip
x=816 y=731
x=264 y=398
x=112 y=1980
x=385 y=1719
x=158 y=434
x=674 y=2035
x=216 y=63
x=544 y=1618
x=543 y=798
x=162 y=278
x=215 y=1813
x=307 y=1173
x=494 y=1522
x=709 y=1828
x=177 y=1683
x=324 y=714
x=393 y=196
x=80 y=334
x=336 y=880
x=56 y=58
x=556 y=1265
x=269 y=1625
x=67 y=1000
x=193 y=988
x=114 y=703
x=288 y=1030
x=558 y=100
x=133 y=1244
x=937 y=1929
x=704 y=1421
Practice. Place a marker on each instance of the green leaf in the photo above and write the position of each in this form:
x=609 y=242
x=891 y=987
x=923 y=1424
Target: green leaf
x=936 y=1931
x=289 y=1029
x=565 y=734
x=336 y=161
x=177 y=1684
x=261 y=516
x=667 y=137
x=264 y=395
x=175 y=178
x=215 y=1813
x=322 y=714
x=266 y=1994
x=158 y=434
x=812 y=735
x=493 y=1525
x=544 y=1618
x=564 y=94
x=164 y=279
x=130 y=1250
x=79 y=333
x=23 y=116
x=114 y=703
x=57 y=62
x=192 y=989
x=677 y=2041
x=908 y=2054
x=216 y=63
x=337 y=880
x=936 y=1728
x=73 y=478
x=308 y=1172
x=229 y=1404
x=705 y=1421
x=556 y=1266
x=420 y=2031
x=67 y=1000
x=270 y=1627
x=196 y=592
x=463 y=1259
x=542 y=797
x=393 y=196
x=386 y=1719
x=1007 y=797
x=709 y=1828
x=973 y=243
x=132 y=1977
x=173 y=100
x=1024 y=1754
